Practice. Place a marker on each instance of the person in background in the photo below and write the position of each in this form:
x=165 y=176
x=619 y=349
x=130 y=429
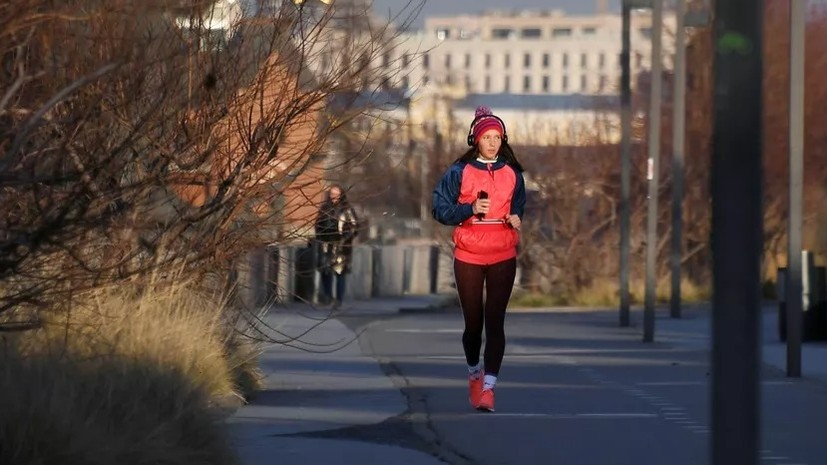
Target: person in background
x=336 y=227
x=483 y=194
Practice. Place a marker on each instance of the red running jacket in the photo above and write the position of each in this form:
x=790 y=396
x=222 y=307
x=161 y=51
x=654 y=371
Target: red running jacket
x=491 y=240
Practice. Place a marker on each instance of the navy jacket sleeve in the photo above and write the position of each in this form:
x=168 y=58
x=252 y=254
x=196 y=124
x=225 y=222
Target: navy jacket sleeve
x=518 y=199
x=444 y=203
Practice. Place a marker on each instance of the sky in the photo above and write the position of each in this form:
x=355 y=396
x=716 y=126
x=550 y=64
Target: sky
x=452 y=7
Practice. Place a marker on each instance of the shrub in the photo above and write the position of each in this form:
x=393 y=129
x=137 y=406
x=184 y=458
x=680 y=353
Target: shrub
x=125 y=377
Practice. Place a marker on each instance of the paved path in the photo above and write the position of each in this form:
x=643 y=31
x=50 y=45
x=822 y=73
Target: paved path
x=320 y=387
x=576 y=389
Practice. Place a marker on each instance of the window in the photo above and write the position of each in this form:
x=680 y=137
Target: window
x=646 y=32
x=443 y=33
x=583 y=83
x=603 y=82
x=527 y=84
x=546 y=84
x=425 y=81
x=546 y=60
x=565 y=60
x=487 y=60
x=561 y=32
x=467 y=60
x=507 y=87
x=447 y=61
x=507 y=60
x=405 y=60
x=405 y=82
x=584 y=60
x=565 y=83
x=589 y=31
x=601 y=60
x=426 y=61
x=527 y=60
x=502 y=33
x=386 y=60
x=531 y=33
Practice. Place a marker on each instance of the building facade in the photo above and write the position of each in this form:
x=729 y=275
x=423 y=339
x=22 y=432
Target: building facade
x=527 y=52
x=556 y=77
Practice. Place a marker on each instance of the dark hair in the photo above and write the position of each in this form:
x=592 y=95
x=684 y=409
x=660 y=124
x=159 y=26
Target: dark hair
x=505 y=151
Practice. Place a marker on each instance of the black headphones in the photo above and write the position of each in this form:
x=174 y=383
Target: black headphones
x=474 y=123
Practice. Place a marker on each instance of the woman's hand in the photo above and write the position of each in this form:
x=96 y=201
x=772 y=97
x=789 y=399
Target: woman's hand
x=513 y=221
x=481 y=206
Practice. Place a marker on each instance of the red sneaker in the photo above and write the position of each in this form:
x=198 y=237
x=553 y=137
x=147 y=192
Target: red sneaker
x=475 y=390
x=486 y=400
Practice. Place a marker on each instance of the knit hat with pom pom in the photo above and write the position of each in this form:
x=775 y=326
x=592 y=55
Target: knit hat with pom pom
x=485 y=123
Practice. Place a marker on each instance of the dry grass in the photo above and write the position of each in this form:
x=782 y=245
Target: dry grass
x=124 y=378
x=246 y=373
x=605 y=293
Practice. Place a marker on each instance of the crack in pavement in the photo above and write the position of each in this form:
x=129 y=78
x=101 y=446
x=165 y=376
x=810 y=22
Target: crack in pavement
x=413 y=428
x=419 y=417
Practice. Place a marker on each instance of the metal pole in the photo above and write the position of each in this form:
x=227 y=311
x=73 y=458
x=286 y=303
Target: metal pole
x=793 y=287
x=424 y=197
x=737 y=235
x=625 y=161
x=425 y=201
x=652 y=170
x=678 y=138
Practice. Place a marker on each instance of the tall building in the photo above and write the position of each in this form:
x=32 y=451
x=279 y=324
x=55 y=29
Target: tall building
x=556 y=77
x=527 y=52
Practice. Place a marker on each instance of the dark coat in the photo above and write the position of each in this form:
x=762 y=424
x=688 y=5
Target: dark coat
x=336 y=228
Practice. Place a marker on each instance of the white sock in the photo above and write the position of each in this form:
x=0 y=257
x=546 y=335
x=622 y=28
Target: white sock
x=475 y=371
x=489 y=383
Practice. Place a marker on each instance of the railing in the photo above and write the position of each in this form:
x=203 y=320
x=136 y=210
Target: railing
x=284 y=274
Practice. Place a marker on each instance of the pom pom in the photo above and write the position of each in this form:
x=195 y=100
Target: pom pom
x=482 y=111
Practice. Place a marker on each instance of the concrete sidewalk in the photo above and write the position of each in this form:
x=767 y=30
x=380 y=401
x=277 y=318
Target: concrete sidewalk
x=318 y=380
x=379 y=305
x=695 y=330
x=320 y=384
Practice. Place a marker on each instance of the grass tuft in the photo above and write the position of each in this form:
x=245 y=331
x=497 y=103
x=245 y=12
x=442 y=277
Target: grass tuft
x=124 y=377
x=606 y=293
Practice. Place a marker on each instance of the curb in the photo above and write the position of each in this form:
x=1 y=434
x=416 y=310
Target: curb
x=429 y=310
x=443 y=304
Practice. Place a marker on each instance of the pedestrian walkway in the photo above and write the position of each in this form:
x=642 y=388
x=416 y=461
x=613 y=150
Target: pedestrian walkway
x=695 y=330
x=321 y=382
x=320 y=388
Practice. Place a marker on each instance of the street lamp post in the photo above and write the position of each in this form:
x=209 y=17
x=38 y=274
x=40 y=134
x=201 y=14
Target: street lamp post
x=626 y=151
x=678 y=138
x=625 y=160
x=653 y=165
x=737 y=232
x=793 y=284
x=697 y=17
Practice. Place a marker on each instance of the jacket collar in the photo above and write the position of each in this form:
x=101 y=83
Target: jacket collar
x=484 y=166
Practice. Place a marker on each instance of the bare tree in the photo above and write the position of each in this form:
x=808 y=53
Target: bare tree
x=145 y=138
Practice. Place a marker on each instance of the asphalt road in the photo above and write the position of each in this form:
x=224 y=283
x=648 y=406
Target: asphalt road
x=577 y=389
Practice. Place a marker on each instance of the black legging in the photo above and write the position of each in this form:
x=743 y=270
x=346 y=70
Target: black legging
x=498 y=280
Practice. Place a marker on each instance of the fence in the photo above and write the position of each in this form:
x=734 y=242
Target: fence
x=286 y=274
